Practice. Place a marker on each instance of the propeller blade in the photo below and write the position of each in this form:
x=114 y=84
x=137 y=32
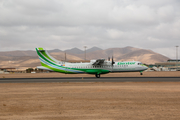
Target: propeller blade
x=112 y=64
x=112 y=61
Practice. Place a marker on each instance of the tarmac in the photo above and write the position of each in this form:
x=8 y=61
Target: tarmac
x=89 y=79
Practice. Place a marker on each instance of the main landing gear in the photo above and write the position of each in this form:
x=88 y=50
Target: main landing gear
x=97 y=75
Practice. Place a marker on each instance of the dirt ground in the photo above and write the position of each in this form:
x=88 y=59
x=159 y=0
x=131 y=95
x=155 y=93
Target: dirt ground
x=90 y=101
x=126 y=74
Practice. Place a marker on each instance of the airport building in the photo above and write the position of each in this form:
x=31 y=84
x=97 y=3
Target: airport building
x=170 y=65
x=6 y=70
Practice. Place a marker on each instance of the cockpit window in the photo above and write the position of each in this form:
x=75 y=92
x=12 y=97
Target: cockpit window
x=139 y=63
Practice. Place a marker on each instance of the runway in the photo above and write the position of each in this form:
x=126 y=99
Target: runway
x=90 y=79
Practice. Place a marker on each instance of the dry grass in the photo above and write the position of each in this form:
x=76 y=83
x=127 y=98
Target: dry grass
x=90 y=101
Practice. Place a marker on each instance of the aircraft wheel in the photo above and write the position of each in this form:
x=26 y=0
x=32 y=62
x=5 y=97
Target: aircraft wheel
x=97 y=75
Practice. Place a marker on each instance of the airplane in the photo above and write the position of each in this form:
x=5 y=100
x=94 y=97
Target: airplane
x=96 y=67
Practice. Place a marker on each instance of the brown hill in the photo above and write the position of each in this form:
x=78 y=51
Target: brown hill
x=127 y=54
x=27 y=59
x=18 y=53
x=115 y=52
x=74 y=51
x=145 y=56
x=93 y=49
x=24 y=62
x=61 y=56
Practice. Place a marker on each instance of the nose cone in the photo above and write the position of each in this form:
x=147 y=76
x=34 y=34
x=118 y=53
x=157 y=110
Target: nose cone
x=145 y=67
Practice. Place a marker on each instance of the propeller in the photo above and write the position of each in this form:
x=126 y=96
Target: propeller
x=112 y=63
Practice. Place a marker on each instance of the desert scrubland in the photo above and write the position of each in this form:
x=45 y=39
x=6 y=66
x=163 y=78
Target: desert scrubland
x=90 y=101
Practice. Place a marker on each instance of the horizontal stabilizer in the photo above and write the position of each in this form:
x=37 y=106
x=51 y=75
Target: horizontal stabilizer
x=43 y=68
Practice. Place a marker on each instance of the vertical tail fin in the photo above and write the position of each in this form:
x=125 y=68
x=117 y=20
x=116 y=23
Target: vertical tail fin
x=46 y=58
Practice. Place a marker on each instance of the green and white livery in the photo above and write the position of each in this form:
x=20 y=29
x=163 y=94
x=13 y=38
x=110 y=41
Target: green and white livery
x=96 y=67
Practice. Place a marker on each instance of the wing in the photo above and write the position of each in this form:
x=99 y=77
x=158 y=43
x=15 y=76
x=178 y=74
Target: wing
x=99 y=62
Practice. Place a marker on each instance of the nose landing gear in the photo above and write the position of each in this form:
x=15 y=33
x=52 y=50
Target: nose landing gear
x=141 y=73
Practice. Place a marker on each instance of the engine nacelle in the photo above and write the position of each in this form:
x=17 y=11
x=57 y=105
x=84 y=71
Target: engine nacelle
x=92 y=61
x=107 y=62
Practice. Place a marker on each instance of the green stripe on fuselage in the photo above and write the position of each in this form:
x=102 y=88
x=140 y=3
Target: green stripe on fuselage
x=44 y=53
x=90 y=71
x=58 y=70
x=48 y=60
x=40 y=48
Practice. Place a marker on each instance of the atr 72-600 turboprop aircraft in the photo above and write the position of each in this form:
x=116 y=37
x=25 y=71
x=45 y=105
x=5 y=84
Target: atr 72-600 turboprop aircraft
x=96 y=67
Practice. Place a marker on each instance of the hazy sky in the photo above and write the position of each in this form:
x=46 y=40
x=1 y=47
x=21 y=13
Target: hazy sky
x=64 y=24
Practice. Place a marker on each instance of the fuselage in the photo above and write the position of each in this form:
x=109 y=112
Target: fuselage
x=126 y=66
x=97 y=67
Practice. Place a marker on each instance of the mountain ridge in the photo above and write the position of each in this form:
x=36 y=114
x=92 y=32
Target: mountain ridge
x=20 y=59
